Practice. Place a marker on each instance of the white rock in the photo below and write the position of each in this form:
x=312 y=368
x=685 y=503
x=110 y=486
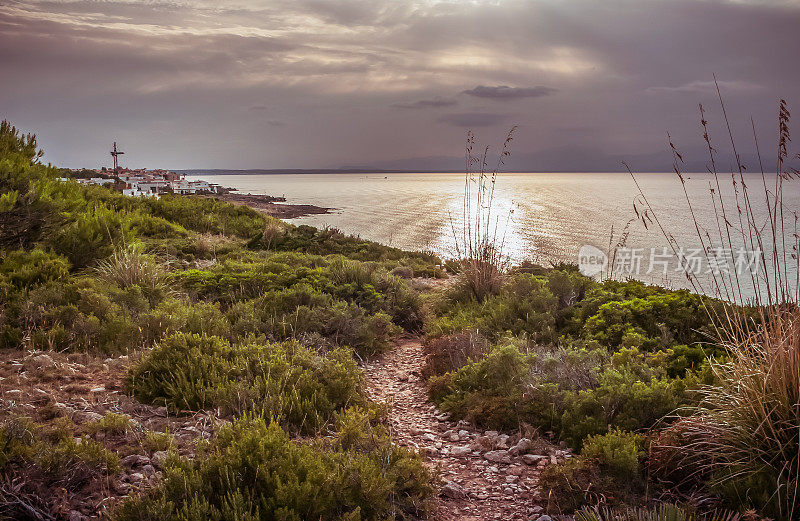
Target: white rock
x=461 y=451
x=159 y=458
x=136 y=477
x=88 y=416
x=497 y=456
x=515 y=470
x=531 y=459
x=502 y=441
x=45 y=361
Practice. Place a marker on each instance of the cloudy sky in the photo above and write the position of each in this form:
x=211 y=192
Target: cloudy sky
x=389 y=83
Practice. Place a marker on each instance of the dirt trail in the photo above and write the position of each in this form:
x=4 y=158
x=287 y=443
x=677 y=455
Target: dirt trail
x=486 y=475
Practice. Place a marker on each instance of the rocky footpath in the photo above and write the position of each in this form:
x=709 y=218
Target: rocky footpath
x=485 y=475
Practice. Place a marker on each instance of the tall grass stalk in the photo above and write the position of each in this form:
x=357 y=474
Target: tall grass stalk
x=744 y=436
x=480 y=248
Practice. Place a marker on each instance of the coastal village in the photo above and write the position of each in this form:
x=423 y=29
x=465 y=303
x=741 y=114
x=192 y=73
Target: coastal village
x=146 y=183
x=142 y=182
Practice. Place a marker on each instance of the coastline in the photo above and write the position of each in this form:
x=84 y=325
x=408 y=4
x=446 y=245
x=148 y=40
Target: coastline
x=273 y=206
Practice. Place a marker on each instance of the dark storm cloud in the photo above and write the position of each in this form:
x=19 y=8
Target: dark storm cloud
x=179 y=82
x=472 y=119
x=504 y=92
x=425 y=103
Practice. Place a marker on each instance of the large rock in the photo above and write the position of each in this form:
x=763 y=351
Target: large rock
x=44 y=361
x=502 y=441
x=135 y=460
x=532 y=459
x=461 y=451
x=136 y=477
x=453 y=490
x=498 y=456
x=88 y=416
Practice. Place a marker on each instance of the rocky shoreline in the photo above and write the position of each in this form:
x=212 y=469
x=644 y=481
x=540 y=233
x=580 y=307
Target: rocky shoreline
x=273 y=206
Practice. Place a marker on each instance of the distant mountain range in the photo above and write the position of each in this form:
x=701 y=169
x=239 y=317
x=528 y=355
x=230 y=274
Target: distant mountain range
x=566 y=159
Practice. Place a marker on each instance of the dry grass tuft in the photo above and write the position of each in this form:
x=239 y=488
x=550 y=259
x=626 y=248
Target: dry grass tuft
x=743 y=439
x=129 y=266
x=479 y=247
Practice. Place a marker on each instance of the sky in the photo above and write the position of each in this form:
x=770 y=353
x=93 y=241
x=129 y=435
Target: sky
x=393 y=83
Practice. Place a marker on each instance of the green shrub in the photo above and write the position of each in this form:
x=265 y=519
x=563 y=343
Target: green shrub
x=575 y=391
x=154 y=441
x=621 y=399
x=112 y=423
x=288 y=382
x=375 y=291
x=26 y=269
x=300 y=310
x=608 y=472
x=63 y=462
x=618 y=453
x=252 y=470
x=172 y=315
x=490 y=392
x=72 y=463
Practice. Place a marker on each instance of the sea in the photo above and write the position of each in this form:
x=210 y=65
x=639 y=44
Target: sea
x=650 y=226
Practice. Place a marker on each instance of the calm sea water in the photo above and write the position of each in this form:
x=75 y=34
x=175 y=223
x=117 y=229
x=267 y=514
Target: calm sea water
x=543 y=217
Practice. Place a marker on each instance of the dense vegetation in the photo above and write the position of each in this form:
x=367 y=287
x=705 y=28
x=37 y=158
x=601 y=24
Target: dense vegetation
x=220 y=307
x=252 y=470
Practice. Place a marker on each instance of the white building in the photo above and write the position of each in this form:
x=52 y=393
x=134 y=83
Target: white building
x=183 y=187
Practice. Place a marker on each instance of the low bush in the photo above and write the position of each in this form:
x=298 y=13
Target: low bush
x=46 y=464
x=489 y=392
x=449 y=353
x=112 y=423
x=300 y=310
x=607 y=472
x=155 y=441
x=252 y=470
x=298 y=387
x=573 y=392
